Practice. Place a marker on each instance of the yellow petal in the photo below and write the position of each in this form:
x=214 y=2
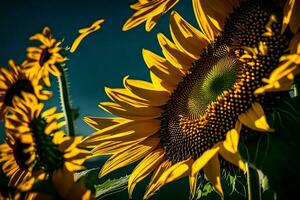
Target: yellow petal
x=193 y=185
x=123 y=95
x=294 y=46
x=144 y=168
x=168 y=75
x=150 y=23
x=186 y=37
x=201 y=14
x=281 y=79
x=222 y=8
x=73 y=167
x=146 y=90
x=213 y=174
x=48 y=112
x=255 y=118
x=127 y=102
x=231 y=142
x=127 y=131
x=58 y=137
x=70 y=143
x=76 y=155
x=291 y=16
x=84 y=32
x=113 y=147
x=173 y=173
x=102 y=122
x=116 y=126
x=175 y=56
x=156 y=175
x=148 y=10
x=131 y=112
x=129 y=155
x=231 y=157
x=203 y=160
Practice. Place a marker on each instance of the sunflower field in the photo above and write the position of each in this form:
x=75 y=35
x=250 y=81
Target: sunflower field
x=150 y=99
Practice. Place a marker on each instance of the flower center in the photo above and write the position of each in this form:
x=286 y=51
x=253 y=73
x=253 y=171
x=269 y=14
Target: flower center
x=22 y=156
x=220 y=77
x=16 y=89
x=220 y=85
x=45 y=56
x=49 y=156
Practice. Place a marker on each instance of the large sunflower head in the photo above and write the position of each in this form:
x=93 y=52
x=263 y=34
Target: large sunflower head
x=44 y=60
x=40 y=144
x=211 y=88
x=13 y=82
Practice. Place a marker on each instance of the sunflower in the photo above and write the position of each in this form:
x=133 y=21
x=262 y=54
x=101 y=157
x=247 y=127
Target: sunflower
x=44 y=59
x=39 y=144
x=65 y=187
x=19 y=158
x=211 y=89
x=149 y=12
x=13 y=82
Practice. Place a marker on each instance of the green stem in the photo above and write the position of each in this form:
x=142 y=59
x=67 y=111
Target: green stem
x=297 y=87
x=65 y=101
x=254 y=184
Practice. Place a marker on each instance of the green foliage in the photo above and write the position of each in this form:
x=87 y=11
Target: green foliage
x=111 y=186
x=102 y=187
x=203 y=190
x=276 y=154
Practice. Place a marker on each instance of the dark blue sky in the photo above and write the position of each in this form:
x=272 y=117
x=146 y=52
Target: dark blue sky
x=102 y=59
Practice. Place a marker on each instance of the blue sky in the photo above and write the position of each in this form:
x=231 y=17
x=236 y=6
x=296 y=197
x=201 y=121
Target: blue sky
x=102 y=59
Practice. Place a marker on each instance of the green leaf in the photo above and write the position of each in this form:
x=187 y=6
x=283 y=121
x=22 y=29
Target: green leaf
x=110 y=187
x=276 y=154
x=203 y=190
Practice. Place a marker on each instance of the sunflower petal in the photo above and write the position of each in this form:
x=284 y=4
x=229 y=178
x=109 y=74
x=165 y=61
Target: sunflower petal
x=148 y=10
x=291 y=16
x=131 y=112
x=156 y=175
x=84 y=32
x=150 y=23
x=193 y=185
x=200 y=10
x=113 y=147
x=121 y=95
x=145 y=90
x=102 y=122
x=127 y=131
x=168 y=75
x=233 y=158
x=175 y=56
x=232 y=139
x=213 y=173
x=186 y=37
x=173 y=173
x=255 y=118
x=129 y=155
x=203 y=160
x=144 y=168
